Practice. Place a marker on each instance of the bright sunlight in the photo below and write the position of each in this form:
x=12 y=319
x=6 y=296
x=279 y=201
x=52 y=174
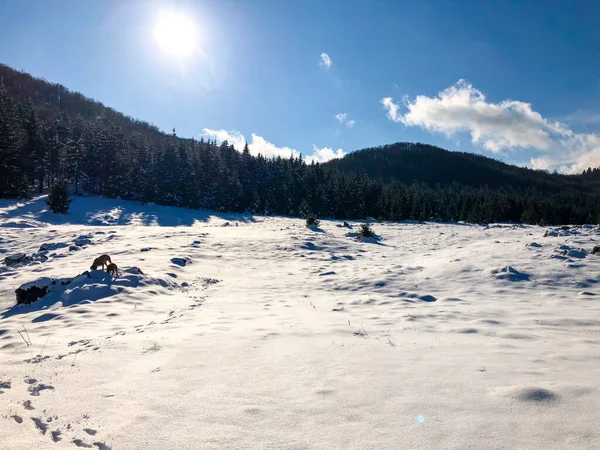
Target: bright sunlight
x=176 y=33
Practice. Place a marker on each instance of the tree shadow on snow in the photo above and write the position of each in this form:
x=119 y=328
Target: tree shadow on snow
x=100 y=211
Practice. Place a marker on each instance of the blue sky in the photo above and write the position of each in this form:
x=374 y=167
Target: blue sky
x=323 y=77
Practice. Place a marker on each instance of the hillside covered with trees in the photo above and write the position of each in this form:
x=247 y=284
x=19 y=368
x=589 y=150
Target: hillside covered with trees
x=49 y=134
x=407 y=162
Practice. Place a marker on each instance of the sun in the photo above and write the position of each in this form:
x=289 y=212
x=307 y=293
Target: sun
x=176 y=33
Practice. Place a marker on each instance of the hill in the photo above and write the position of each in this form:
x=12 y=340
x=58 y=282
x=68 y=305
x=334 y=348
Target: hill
x=48 y=133
x=415 y=162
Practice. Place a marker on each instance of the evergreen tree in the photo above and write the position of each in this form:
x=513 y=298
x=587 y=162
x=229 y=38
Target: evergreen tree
x=33 y=147
x=55 y=153
x=58 y=200
x=74 y=153
x=13 y=178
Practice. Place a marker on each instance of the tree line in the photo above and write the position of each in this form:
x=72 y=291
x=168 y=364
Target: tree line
x=42 y=144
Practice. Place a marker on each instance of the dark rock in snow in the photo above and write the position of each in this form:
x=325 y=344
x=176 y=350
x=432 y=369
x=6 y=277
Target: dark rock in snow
x=82 y=240
x=182 y=262
x=15 y=258
x=596 y=249
x=74 y=248
x=40 y=256
x=30 y=295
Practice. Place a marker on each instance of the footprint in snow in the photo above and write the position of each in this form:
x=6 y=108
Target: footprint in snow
x=56 y=435
x=27 y=405
x=40 y=425
x=35 y=390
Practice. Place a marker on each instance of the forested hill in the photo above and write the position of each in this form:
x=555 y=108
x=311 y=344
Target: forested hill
x=51 y=99
x=408 y=163
x=48 y=133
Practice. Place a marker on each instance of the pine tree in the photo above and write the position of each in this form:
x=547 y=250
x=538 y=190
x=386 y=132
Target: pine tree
x=33 y=148
x=13 y=179
x=55 y=151
x=74 y=153
x=365 y=230
x=58 y=200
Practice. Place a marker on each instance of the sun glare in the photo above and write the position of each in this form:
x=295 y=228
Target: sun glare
x=176 y=33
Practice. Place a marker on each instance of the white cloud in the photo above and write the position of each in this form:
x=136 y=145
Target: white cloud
x=462 y=108
x=234 y=137
x=268 y=149
x=539 y=163
x=341 y=118
x=507 y=125
x=324 y=154
x=325 y=61
x=392 y=109
x=581 y=151
x=256 y=146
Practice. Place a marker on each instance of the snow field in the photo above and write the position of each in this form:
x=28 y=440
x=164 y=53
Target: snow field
x=266 y=334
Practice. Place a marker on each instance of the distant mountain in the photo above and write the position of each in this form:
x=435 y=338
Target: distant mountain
x=408 y=163
x=49 y=134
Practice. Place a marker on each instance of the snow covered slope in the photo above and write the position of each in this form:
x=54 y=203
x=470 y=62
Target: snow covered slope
x=233 y=331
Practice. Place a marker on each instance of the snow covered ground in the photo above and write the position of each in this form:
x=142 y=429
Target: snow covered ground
x=234 y=331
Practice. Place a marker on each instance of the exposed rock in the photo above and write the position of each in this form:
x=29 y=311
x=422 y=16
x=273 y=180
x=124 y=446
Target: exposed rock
x=82 y=240
x=30 y=295
x=596 y=249
x=182 y=262
x=74 y=248
x=226 y=224
x=39 y=256
x=15 y=258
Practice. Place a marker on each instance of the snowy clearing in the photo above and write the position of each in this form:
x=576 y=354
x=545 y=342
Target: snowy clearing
x=265 y=334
